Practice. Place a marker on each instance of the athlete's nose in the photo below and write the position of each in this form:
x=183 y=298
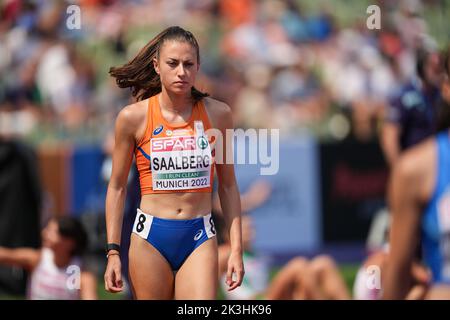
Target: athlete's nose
x=181 y=70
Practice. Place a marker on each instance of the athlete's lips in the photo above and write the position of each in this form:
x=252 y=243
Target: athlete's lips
x=180 y=82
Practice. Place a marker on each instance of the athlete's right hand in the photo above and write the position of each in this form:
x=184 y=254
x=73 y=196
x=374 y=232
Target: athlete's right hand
x=113 y=275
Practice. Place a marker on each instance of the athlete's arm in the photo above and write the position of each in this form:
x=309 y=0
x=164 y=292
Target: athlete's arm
x=115 y=198
x=390 y=142
x=229 y=195
x=26 y=258
x=224 y=253
x=88 y=286
x=408 y=190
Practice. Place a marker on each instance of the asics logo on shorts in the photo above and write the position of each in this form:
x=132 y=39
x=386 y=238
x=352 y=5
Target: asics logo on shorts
x=198 y=234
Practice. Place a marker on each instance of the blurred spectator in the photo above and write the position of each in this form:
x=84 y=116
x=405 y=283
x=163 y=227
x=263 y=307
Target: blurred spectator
x=411 y=115
x=56 y=269
x=299 y=64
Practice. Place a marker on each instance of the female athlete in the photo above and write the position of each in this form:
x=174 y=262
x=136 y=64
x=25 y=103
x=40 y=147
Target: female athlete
x=173 y=247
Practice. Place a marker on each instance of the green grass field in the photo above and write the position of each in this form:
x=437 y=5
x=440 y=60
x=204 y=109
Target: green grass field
x=348 y=272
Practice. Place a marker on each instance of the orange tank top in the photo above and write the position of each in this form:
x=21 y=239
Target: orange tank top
x=175 y=157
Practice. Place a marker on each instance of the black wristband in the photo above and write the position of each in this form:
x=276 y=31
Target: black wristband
x=112 y=246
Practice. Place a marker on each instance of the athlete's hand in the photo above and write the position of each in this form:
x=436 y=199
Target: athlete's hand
x=113 y=275
x=235 y=267
x=420 y=274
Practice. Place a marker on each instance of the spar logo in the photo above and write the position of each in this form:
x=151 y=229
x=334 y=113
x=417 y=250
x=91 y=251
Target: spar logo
x=173 y=144
x=202 y=142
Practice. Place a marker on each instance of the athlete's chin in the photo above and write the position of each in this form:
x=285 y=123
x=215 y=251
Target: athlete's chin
x=181 y=88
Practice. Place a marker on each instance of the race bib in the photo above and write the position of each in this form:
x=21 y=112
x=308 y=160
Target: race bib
x=181 y=162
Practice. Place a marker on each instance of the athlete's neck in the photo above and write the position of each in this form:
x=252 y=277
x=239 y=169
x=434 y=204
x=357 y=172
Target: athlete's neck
x=175 y=103
x=60 y=259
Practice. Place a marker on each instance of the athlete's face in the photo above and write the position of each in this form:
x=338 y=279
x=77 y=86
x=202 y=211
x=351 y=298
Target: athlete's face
x=433 y=70
x=51 y=238
x=177 y=66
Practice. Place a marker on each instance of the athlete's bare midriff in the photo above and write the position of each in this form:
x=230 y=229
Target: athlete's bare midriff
x=179 y=205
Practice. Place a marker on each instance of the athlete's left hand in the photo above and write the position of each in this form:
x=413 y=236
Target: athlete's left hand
x=235 y=268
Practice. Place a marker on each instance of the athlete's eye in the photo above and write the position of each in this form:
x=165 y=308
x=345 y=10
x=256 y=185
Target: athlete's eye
x=188 y=64
x=173 y=64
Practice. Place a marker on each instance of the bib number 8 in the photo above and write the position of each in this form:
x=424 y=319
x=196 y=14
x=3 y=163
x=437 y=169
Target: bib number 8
x=211 y=222
x=140 y=225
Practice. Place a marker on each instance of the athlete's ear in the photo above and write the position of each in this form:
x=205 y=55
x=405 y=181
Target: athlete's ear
x=156 y=65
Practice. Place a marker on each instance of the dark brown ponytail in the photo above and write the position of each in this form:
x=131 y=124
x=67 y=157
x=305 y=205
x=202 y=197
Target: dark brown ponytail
x=139 y=73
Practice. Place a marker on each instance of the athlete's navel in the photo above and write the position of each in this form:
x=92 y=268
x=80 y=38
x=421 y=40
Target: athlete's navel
x=179 y=211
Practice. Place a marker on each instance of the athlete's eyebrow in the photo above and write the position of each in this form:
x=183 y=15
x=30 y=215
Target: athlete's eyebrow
x=177 y=60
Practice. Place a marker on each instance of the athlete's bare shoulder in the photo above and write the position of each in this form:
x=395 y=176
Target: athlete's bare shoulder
x=416 y=160
x=417 y=168
x=132 y=114
x=132 y=118
x=218 y=111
